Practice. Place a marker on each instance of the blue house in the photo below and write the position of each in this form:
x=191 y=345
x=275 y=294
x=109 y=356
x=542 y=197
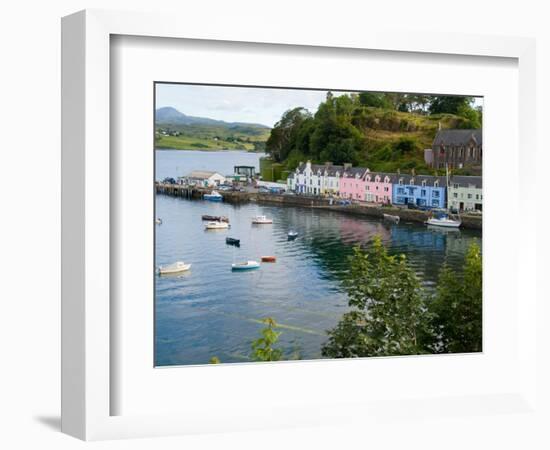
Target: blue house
x=421 y=190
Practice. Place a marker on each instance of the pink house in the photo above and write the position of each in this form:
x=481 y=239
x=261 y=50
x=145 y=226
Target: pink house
x=352 y=184
x=378 y=187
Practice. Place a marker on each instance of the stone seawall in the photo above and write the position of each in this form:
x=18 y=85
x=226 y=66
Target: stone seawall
x=408 y=215
x=469 y=221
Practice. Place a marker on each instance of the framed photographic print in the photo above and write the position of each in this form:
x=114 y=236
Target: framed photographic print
x=249 y=217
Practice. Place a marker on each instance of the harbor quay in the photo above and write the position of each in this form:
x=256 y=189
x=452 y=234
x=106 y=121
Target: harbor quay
x=469 y=220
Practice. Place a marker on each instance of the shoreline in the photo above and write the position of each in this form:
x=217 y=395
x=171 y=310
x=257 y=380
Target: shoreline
x=469 y=221
x=206 y=150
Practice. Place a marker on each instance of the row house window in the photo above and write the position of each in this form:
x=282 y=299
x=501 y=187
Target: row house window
x=436 y=194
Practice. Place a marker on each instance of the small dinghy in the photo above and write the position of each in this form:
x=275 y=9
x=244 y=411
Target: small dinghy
x=177 y=267
x=248 y=265
x=292 y=235
x=216 y=226
x=269 y=259
x=215 y=218
x=158 y=221
x=391 y=218
x=233 y=241
x=260 y=220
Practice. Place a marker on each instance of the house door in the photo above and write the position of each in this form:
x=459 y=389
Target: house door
x=461 y=206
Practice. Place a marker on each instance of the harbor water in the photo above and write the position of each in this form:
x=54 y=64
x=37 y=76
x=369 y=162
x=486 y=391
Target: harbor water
x=211 y=311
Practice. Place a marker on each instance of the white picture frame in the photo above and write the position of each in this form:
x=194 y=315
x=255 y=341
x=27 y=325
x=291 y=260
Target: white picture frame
x=88 y=387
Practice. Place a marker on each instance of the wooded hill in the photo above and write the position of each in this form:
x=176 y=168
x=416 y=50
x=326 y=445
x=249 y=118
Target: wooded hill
x=384 y=132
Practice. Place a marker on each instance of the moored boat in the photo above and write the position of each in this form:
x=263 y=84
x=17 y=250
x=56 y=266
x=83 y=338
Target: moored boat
x=270 y=259
x=392 y=218
x=215 y=218
x=247 y=265
x=158 y=221
x=216 y=226
x=259 y=220
x=177 y=267
x=292 y=235
x=214 y=196
x=444 y=221
x=233 y=241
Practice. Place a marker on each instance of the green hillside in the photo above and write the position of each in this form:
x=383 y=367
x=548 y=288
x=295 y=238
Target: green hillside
x=384 y=132
x=208 y=134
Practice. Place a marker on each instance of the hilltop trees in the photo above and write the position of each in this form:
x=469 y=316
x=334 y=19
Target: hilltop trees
x=285 y=132
x=358 y=128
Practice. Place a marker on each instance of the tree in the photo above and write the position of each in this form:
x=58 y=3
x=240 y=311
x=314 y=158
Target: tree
x=449 y=104
x=262 y=348
x=283 y=134
x=388 y=315
x=374 y=99
x=457 y=307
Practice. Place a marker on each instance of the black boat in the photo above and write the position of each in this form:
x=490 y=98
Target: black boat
x=215 y=218
x=233 y=241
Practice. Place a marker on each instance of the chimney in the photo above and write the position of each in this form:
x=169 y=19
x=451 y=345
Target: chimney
x=347 y=166
x=328 y=164
x=439 y=126
x=398 y=171
x=413 y=172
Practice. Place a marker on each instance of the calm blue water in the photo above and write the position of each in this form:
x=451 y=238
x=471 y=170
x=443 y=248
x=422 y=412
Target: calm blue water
x=211 y=311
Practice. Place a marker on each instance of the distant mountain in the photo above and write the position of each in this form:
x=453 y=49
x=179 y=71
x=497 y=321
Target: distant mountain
x=171 y=116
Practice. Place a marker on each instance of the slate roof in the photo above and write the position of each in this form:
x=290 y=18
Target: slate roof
x=418 y=179
x=457 y=137
x=465 y=181
x=331 y=169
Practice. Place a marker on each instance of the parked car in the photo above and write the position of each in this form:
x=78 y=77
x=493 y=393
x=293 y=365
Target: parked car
x=169 y=180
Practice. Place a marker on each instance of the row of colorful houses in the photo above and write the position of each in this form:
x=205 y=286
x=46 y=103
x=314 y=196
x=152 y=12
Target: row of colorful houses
x=360 y=184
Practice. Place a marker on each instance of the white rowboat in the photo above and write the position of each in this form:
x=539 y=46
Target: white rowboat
x=216 y=226
x=177 y=267
x=261 y=220
x=391 y=218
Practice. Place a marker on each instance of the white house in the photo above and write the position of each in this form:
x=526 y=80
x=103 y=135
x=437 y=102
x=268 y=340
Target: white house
x=203 y=178
x=465 y=193
x=316 y=179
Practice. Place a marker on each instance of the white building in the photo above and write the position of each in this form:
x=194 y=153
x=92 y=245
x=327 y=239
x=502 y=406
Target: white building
x=465 y=193
x=203 y=178
x=316 y=179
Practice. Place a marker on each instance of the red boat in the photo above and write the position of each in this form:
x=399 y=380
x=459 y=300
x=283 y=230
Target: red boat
x=271 y=259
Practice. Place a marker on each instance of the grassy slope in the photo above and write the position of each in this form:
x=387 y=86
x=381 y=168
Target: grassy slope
x=202 y=137
x=384 y=130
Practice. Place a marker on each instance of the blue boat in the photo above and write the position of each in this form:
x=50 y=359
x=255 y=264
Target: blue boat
x=214 y=196
x=248 y=265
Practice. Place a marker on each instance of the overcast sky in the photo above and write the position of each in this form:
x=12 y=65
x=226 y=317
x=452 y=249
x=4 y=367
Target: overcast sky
x=235 y=104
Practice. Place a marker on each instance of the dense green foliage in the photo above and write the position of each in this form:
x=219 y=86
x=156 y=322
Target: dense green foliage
x=262 y=348
x=457 y=307
x=388 y=315
x=384 y=131
x=392 y=315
